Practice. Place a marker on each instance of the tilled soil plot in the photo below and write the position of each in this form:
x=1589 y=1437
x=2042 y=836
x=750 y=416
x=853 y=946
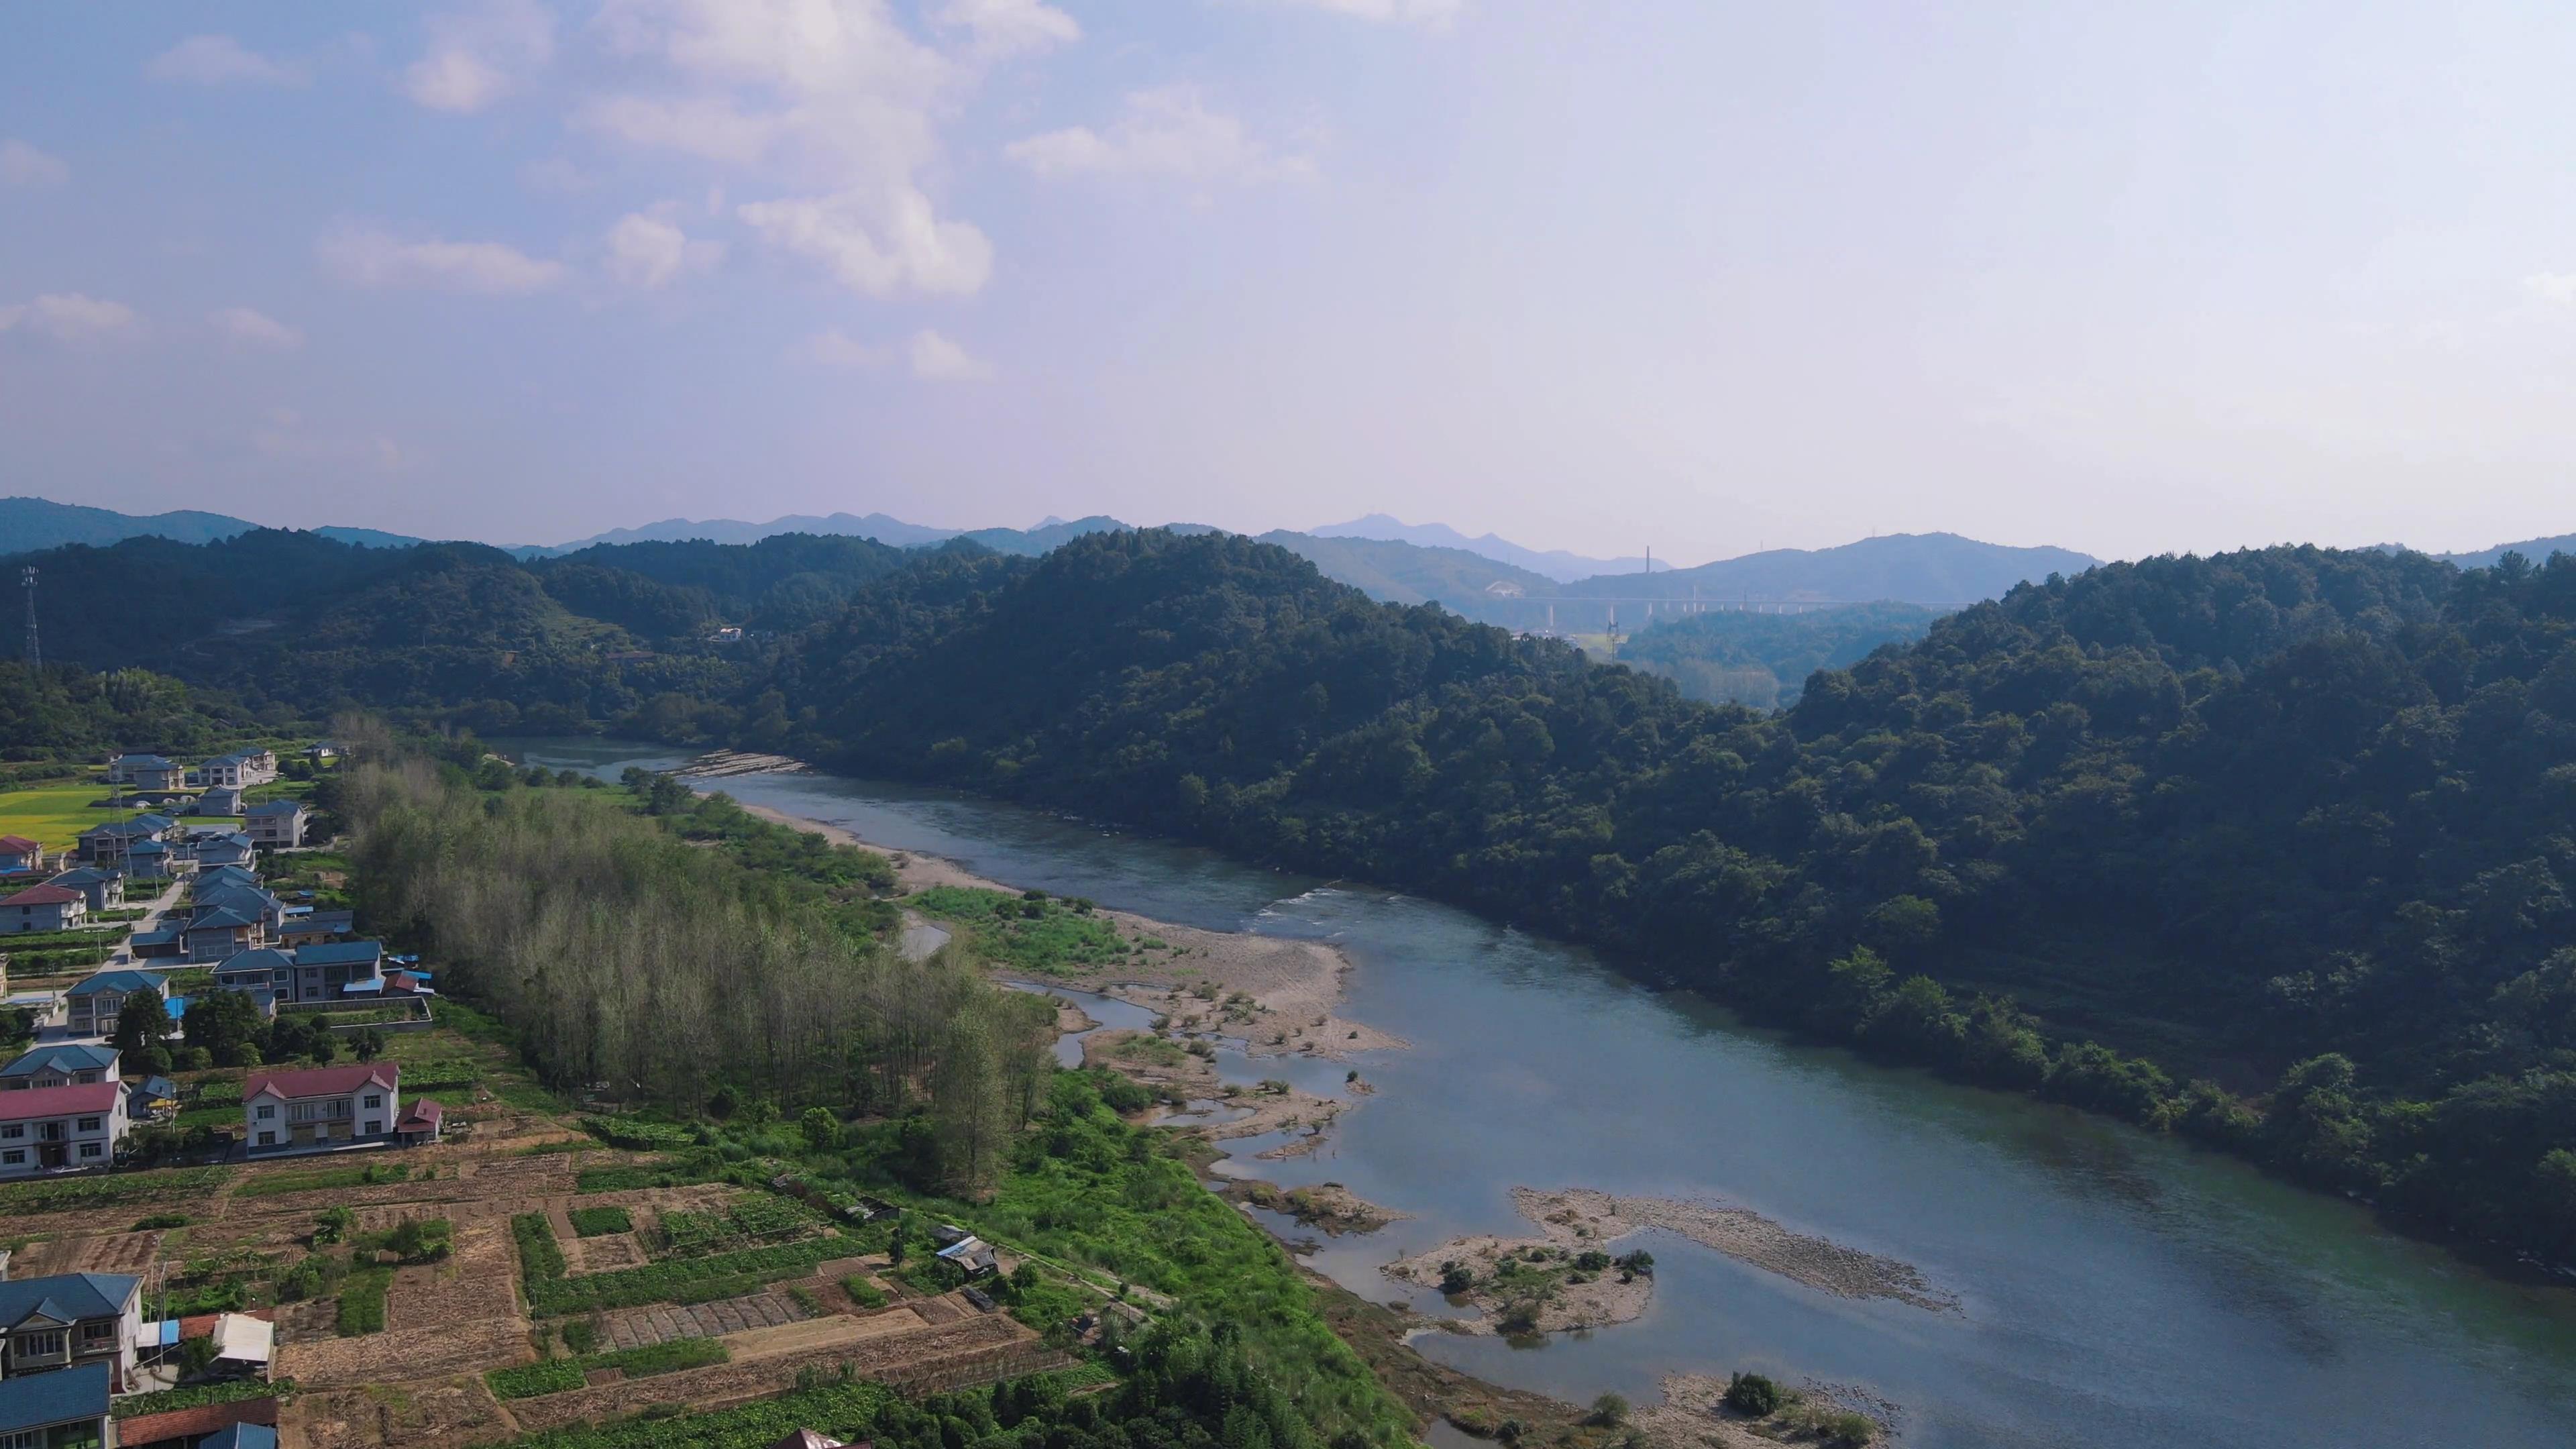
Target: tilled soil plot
x=89 y=1253
x=460 y=1317
x=363 y=1418
x=954 y=1348
x=662 y=1322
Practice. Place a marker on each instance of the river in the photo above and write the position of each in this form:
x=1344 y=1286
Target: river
x=2117 y=1290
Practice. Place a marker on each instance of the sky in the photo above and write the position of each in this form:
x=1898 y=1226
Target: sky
x=1686 y=274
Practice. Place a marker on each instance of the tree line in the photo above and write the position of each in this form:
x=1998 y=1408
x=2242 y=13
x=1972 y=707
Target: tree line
x=630 y=964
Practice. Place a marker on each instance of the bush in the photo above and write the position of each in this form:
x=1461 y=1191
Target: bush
x=421 y=1239
x=190 y=1396
x=581 y=1335
x=1455 y=1277
x=160 y=1220
x=540 y=1258
x=1753 y=1395
x=362 y=1301
x=863 y=1293
x=599 y=1222
x=555 y=1376
x=690 y=1280
x=1610 y=1411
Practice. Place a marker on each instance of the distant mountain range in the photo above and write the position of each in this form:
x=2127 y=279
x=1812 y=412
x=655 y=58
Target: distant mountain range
x=1486 y=578
x=1554 y=563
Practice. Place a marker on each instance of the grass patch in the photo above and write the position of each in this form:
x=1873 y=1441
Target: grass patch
x=276 y=1184
x=687 y=1280
x=191 y=1396
x=846 y=1411
x=600 y=1222
x=54 y=815
x=362 y=1301
x=864 y=1293
x=1033 y=933
x=73 y=1193
x=629 y=1176
x=540 y=1256
x=563 y=1375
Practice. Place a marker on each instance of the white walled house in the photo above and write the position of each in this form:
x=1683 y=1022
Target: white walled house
x=322 y=1105
x=48 y=1129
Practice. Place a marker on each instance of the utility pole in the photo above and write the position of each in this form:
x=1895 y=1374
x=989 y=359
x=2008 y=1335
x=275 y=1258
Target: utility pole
x=35 y=651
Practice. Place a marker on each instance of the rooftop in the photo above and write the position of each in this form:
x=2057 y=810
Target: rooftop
x=322 y=1081
x=64 y=1057
x=37 y=1401
x=276 y=807
x=118 y=981
x=19 y=845
x=339 y=953
x=48 y=894
x=30 y=1103
x=65 y=1297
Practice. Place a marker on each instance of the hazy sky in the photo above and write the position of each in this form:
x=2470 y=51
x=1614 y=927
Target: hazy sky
x=1592 y=275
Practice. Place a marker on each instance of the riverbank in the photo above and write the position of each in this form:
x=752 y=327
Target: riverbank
x=1289 y=991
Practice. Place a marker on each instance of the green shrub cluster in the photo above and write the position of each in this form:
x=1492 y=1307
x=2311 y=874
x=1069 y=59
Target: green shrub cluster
x=681 y=1280
x=541 y=1258
x=76 y=1193
x=362 y=1301
x=561 y=1375
x=191 y=1396
x=600 y=1222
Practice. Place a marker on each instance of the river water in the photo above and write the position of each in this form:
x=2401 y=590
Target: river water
x=2116 y=1289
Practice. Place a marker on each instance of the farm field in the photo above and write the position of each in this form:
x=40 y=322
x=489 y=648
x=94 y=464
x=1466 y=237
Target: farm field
x=391 y=1345
x=52 y=815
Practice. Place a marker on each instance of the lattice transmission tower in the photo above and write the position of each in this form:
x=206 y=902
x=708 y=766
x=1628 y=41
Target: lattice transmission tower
x=35 y=650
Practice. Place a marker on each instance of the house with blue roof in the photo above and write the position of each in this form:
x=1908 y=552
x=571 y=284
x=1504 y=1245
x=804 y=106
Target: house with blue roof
x=241 y=769
x=277 y=824
x=58 y=1410
x=230 y=847
x=147 y=772
x=63 y=1064
x=337 y=970
x=105 y=888
x=71 y=1321
x=93 y=1003
x=219 y=800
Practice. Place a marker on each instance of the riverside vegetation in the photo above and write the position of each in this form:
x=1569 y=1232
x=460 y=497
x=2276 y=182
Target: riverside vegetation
x=2266 y=848
x=753 y=1033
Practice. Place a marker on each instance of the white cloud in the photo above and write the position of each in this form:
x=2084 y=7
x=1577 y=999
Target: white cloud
x=555 y=176
x=70 y=317
x=877 y=246
x=941 y=360
x=1430 y=13
x=370 y=257
x=23 y=165
x=829 y=101
x=646 y=251
x=1165 y=132
x=479 y=55
x=220 y=60
x=242 y=324
x=285 y=438
x=1003 y=28
x=2559 y=287
x=834 y=348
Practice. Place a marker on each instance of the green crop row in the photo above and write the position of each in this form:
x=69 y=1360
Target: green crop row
x=563 y=1375
x=686 y=1280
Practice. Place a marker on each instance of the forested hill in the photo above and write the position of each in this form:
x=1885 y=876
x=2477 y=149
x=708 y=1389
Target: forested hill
x=2294 y=822
x=2287 y=832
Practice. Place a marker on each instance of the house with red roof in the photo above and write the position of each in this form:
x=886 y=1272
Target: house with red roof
x=321 y=1107
x=43 y=908
x=18 y=853
x=47 y=1129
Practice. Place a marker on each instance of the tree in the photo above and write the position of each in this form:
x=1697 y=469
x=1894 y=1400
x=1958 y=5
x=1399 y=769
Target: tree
x=1753 y=1395
x=1610 y=1410
x=822 y=1130
x=142 y=1024
x=221 y=1023
x=368 y=1043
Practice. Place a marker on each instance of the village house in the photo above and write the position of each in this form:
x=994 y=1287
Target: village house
x=72 y=1321
x=47 y=1129
x=277 y=824
x=220 y=932
x=104 y=888
x=18 y=853
x=148 y=772
x=220 y=800
x=109 y=844
x=151 y=860
x=66 y=1410
x=321 y=1106
x=337 y=970
x=43 y=908
x=94 y=1003
x=227 y=848
x=241 y=769
x=264 y=969
x=63 y=1064
x=313 y=927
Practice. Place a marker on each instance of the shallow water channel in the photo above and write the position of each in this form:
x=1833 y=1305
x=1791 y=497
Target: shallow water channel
x=2116 y=1289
